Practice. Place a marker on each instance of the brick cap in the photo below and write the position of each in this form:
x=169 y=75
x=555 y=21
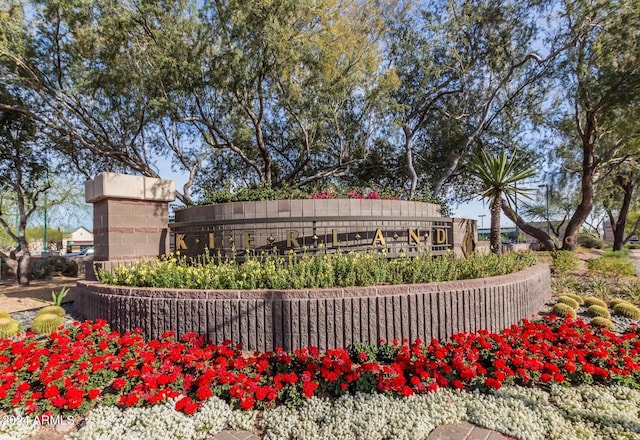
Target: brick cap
x=122 y=186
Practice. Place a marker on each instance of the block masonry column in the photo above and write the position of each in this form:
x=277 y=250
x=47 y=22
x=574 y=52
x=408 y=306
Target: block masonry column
x=130 y=216
x=465 y=236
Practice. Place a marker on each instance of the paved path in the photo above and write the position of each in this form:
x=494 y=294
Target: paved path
x=457 y=431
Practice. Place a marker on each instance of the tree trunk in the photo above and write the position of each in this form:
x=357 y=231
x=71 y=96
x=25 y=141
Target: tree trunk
x=621 y=223
x=408 y=148
x=22 y=274
x=542 y=237
x=23 y=256
x=494 y=235
x=586 y=186
x=11 y=263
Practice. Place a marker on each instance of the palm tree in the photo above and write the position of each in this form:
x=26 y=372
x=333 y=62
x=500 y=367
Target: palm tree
x=498 y=176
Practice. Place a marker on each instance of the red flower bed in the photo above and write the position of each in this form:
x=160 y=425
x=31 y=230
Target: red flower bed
x=73 y=368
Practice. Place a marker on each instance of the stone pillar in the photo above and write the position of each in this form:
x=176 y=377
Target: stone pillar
x=130 y=216
x=465 y=236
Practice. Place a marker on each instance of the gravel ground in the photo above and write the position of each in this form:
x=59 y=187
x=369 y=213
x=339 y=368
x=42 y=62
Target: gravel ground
x=25 y=317
x=622 y=323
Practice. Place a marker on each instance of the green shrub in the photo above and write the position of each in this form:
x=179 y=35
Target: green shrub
x=622 y=253
x=564 y=262
x=45 y=268
x=363 y=352
x=627 y=309
x=599 y=321
x=565 y=299
x=65 y=266
x=596 y=310
x=589 y=241
x=4 y=314
x=330 y=270
x=591 y=301
x=265 y=192
x=612 y=265
x=561 y=309
x=46 y=323
x=8 y=327
x=40 y=269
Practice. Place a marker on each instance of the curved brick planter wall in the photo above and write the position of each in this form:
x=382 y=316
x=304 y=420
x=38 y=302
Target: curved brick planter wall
x=398 y=226
x=327 y=318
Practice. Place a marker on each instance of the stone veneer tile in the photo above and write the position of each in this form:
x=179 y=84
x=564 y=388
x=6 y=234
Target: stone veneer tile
x=376 y=208
x=361 y=292
x=279 y=295
x=324 y=293
x=284 y=206
x=296 y=208
x=344 y=207
x=365 y=208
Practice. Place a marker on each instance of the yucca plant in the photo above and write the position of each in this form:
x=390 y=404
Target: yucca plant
x=631 y=289
x=498 y=176
x=56 y=310
x=8 y=327
x=57 y=298
x=600 y=286
x=561 y=309
x=599 y=321
x=597 y=310
x=565 y=299
x=627 y=309
x=46 y=323
x=4 y=314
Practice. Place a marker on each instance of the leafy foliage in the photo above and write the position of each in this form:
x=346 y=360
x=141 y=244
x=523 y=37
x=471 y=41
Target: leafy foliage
x=564 y=262
x=589 y=241
x=45 y=268
x=612 y=265
x=330 y=270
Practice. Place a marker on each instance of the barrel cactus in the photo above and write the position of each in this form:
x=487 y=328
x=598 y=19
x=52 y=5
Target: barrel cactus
x=561 y=309
x=576 y=297
x=8 y=327
x=615 y=301
x=599 y=321
x=56 y=310
x=46 y=323
x=627 y=309
x=593 y=301
x=596 y=310
x=566 y=299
